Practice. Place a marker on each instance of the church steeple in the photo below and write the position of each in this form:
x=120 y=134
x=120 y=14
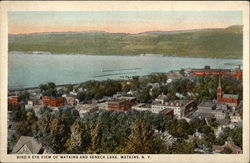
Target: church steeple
x=219 y=85
x=219 y=91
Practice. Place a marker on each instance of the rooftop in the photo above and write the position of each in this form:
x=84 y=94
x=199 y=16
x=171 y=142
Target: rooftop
x=32 y=144
x=178 y=102
x=166 y=110
x=223 y=121
x=206 y=104
x=232 y=96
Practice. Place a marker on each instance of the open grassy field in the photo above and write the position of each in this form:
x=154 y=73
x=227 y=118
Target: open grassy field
x=212 y=43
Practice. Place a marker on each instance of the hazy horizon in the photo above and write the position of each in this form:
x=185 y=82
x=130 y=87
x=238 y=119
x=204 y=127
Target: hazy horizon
x=28 y=22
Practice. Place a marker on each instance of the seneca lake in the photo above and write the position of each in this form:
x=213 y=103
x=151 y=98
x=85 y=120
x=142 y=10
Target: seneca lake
x=31 y=70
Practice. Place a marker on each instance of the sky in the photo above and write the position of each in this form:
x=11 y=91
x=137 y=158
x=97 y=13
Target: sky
x=21 y=22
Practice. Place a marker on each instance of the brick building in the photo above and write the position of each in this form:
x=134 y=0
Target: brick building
x=230 y=99
x=14 y=101
x=53 y=101
x=121 y=104
x=207 y=71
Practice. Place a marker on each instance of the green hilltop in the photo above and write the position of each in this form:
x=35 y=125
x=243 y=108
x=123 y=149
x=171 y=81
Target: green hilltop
x=205 y=43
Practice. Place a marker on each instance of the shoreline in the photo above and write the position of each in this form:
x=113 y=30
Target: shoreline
x=118 y=55
x=37 y=87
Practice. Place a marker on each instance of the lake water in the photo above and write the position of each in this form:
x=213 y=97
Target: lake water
x=31 y=70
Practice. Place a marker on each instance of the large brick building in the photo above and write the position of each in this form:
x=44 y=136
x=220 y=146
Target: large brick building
x=53 y=101
x=207 y=71
x=14 y=101
x=230 y=99
x=121 y=104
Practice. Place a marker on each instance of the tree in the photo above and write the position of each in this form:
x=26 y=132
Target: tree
x=182 y=147
x=206 y=129
x=49 y=89
x=182 y=72
x=209 y=139
x=96 y=135
x=80 y=139
x=81 y=96
x=18 y=114
x=142 y=139
x=179 y=128
x=156 y=92
x=23 y=121
x=233 y=134
x=144 y=96
x=24 y=96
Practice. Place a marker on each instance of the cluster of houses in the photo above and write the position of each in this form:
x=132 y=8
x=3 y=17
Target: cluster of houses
x=226 y=109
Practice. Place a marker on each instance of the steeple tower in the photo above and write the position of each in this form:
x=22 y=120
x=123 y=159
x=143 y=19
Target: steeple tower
x=219 y=91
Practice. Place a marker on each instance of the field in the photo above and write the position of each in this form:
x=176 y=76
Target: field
x=206 y=43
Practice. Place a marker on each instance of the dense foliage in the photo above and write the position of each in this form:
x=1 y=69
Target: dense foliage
x=49 y=89
x=113 y=132
x=213 y=43
x=97 y=89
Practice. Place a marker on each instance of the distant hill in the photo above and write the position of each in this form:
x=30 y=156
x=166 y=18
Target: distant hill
x=212 y=43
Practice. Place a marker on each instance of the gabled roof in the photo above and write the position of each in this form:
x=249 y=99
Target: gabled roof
x=232 y=96
x=32 y=144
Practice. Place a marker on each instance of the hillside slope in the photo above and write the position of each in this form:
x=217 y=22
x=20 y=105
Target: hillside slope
x=213 y=43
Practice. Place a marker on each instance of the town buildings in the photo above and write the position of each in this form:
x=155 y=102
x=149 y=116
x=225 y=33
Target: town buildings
x=225 y=110
x=180 y=107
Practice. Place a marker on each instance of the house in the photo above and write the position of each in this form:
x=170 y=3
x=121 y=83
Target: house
x=119 y=94
x=206 y=107
x=162 y=99
x=235 y=118
x=31 y=103
x=174 y=75
x=86 y=108
x=133 y=93
x=28 y=145
x=182 y=107
x=201 y=115
x=222 y=106
x=228 y=144
x=220 y=114
x=70 y=100
x=167 y=138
